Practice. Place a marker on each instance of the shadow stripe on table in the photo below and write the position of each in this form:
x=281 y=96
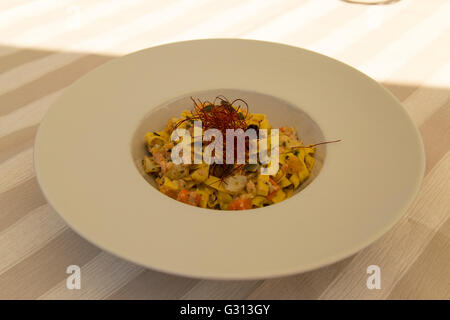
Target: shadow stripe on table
x=426 y=100
x=436 y=135
x=28 y=115
x=154 y=285
x=19 y=201
x=16 y=170
x=101 y=276
x=16 y=142
x=45 y=268
x=20 y=57
x=6 y=50
x=28 y=72
x=421 y=280
x=305 y=286
x=49 y=83
x=40 y=226
x=221 y=290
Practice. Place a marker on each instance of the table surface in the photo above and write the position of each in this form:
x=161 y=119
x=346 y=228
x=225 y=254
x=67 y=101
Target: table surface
x=45 y=45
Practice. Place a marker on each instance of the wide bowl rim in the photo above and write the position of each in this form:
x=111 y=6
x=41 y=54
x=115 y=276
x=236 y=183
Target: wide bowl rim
x=261 y=274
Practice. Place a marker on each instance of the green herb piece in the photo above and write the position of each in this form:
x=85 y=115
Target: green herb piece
x=228 y=169
x=208 y=108
x=250 y=167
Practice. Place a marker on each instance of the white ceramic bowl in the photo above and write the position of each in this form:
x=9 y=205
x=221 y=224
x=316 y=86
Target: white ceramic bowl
x=89 y=145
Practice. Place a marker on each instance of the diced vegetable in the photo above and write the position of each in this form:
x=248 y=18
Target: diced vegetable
x=216 y=183
x=309 y=161
x=280 y=174
x=224 y=199
x=279 y=196
x=273 y=189
x=289 y=192
x=284 y=182
x=170 y=184
x=235 y=184
x=177 y=171
x=258 y=201
x=189 y=197
x=201 y=174
x=262 y=185
x=240 y=204
x=204 y=194
x=150 y=165
x=295 y=180
x=303 y=174
x=153 y=138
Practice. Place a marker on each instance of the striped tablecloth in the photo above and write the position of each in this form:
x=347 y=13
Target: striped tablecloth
x=47 y=44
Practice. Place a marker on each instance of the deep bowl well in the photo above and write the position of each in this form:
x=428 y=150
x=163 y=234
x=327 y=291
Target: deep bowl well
x=279 y=113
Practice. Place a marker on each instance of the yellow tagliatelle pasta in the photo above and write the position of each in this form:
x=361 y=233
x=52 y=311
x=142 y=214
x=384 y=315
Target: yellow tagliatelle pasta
x=226 y=186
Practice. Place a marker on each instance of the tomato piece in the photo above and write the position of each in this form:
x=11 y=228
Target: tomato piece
x=189 y=197
x=183 y=196
x=194 y=198
x=240 y=204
